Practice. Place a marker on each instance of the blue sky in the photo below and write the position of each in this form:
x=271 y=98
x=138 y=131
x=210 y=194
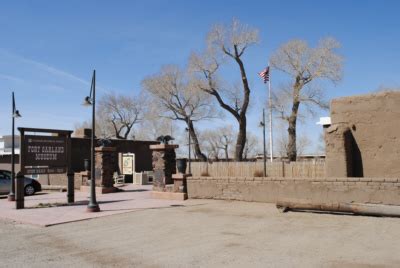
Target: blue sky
x=48 y=49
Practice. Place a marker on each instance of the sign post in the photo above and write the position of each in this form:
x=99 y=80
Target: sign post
x=41 y=154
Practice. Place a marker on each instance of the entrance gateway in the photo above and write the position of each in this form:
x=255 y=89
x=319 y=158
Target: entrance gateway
x=44 y=154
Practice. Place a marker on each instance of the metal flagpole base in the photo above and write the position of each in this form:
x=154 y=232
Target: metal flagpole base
x=11 y=197
x=93 y=208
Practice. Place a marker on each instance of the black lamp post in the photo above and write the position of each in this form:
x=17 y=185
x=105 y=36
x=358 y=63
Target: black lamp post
x=262 y=124
x=15 y=113
x=189 y=145
x=90 y=100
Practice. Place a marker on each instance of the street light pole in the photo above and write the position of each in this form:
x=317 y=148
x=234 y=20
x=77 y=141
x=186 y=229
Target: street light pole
x=264 y=155
x=14 y=114
x=189 y=149
x=93 y=206
x=189 y=145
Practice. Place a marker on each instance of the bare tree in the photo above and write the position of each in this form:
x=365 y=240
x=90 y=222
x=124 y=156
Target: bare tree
x=103 y=130
x=303 y=143
x=304 y=65
x=227 y=42
x=250 y=149
x=219 y=142
x=178 y=98
x=121 y=113
x=153 y=126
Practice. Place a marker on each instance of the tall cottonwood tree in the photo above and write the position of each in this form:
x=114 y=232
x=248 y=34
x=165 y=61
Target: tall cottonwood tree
x=304 y=64
x=119 y=113
x=179 y=99
x=229 y=42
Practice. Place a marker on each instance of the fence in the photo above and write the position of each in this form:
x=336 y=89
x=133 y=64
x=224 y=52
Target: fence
x=310 y=169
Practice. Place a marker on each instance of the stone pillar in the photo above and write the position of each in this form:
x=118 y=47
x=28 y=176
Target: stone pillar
x=164 y=165
x=105 y=166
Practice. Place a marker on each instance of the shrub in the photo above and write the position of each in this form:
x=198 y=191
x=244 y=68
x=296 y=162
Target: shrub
x=258 y=173
x=205 y=174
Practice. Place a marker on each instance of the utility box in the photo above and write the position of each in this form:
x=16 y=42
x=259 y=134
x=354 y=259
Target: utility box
x=140 y=179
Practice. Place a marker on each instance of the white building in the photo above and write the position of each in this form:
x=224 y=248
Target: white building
x=6 y=145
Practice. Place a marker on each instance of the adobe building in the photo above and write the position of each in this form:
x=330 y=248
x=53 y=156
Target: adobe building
x=363 y=139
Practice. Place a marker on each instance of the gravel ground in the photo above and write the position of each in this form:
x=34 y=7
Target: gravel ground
x=206 y=233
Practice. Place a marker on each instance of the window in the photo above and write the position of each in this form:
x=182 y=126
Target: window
x=5 y=175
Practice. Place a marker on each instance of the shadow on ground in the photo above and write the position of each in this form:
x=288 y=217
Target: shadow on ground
x=78 y=203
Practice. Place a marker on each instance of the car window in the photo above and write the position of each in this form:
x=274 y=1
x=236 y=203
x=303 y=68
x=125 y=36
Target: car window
x=5 y=175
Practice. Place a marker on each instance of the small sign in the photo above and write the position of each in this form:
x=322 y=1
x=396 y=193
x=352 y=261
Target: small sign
x=128 y=164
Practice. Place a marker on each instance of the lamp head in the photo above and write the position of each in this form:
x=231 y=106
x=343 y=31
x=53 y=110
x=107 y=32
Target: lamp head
x=16 y=114
x=87 y=101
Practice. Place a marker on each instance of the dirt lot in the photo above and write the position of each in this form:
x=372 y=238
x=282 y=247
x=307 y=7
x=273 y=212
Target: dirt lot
x=206 y=233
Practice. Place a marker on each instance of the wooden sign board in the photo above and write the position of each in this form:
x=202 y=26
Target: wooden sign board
x=42 y=154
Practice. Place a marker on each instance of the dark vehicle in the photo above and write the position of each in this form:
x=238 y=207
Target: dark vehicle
x=31 y=186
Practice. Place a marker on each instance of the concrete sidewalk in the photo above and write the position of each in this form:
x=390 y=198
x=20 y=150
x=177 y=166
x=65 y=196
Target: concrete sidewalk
x=132 y=198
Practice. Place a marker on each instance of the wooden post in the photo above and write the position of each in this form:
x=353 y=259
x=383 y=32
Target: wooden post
x=20 y=199
x=354 y=208
x=70 y=172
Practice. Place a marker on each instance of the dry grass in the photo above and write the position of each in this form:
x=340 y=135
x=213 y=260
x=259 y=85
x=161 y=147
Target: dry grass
x=258 y=173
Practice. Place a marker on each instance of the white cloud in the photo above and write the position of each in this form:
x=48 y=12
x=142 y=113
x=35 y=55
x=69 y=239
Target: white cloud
x=45 y=67
x=11 y=78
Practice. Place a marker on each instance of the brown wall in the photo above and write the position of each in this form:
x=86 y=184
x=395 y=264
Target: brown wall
x=60 y=180
x=315 y=190
x=373 y=136
x=141 y=149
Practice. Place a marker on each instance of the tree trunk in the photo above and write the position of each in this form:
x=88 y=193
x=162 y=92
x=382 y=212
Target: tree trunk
x=292 y=149
x=195 y=141
x=241 y=138
x=226 y=152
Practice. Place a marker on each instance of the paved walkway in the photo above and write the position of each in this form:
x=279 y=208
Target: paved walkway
x=132 y=198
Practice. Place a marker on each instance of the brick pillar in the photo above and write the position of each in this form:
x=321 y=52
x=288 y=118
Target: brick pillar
x=105 y=166
x=164 y=165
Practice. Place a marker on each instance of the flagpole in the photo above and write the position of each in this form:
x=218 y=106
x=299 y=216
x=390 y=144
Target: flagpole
x=270 y=117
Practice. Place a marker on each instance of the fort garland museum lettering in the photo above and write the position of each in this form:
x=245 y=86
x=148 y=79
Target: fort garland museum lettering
x=45 y=153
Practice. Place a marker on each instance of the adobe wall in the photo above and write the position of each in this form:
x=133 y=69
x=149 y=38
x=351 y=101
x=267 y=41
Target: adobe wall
x=315 y=190
x=369 y=125
x=60 y=180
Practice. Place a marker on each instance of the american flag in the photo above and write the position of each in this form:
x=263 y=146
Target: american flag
x=264 y=74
